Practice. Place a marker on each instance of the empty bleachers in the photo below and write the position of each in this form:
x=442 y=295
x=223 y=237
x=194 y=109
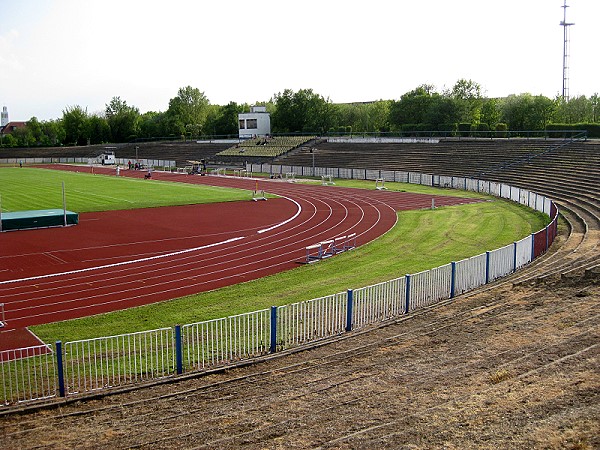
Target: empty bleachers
x=447 y=157
x=267 y=147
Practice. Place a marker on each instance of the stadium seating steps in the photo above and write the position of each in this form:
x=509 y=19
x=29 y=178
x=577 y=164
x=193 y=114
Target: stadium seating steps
x=266 y=146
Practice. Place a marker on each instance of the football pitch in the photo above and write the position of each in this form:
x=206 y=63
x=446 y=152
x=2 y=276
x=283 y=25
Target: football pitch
x=23 y=189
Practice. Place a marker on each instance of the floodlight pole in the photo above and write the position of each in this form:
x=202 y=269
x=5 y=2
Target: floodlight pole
x=565 y=25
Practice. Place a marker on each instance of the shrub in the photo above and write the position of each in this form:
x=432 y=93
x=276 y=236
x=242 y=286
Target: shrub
x=501 y=129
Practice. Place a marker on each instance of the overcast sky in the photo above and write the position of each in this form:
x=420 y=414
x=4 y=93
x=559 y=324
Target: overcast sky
x=59 y=53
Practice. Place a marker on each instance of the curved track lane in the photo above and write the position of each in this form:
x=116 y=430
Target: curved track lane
x=122 y=274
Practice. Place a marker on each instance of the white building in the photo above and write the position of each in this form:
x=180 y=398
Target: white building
x=255 y=123
x=4 y=117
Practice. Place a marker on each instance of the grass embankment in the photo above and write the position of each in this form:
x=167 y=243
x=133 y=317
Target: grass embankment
x=420 y=240
x=24 y=189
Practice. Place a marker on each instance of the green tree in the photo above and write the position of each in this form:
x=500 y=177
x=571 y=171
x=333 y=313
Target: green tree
x=441 y=112
x=379 y=116
x=54 y=133
x=9 y=141
x=24 y=137
x=187 y=112
x=223 y=120
x=595 y=101
x=301 y=111
x=576 y=110
x=34 y=131
x=122 y=119
x=74 y=122
x=152 y=124
x=412 y=107
x=490 y=112
x=526 y=112
x=97 y=130
x=468 y=99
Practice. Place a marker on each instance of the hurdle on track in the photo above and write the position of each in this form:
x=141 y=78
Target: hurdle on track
x=290 y=177
x=327 y=180
x=218 y=172
x=343 y=243
x=380 y=184
x=2 y=317
x=331 y=247
x=239 y=173
x=258 y=195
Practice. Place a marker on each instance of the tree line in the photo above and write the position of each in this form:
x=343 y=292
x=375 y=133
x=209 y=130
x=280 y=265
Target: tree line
x=190 y=115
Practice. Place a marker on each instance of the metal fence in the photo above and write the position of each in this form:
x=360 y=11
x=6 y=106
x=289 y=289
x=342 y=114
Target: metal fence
x=28 y=374
x=158 y=163
x=222 y=341
x=89 y=365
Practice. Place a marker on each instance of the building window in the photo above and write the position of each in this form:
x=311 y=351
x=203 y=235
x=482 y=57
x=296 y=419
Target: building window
x=251 y=123
x=242 y=124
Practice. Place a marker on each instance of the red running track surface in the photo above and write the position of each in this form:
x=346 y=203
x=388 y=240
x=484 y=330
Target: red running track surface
x=122 y=259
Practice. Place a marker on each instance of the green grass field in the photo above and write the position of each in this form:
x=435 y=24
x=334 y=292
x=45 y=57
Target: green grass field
x=420 y=240
x=28 y=188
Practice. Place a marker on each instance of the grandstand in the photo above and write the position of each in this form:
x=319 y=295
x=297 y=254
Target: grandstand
x=179 y=151
x=266 y=147
x=472 y=156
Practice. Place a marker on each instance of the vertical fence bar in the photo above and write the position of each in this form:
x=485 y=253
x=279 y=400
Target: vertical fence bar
x=487 y=267
x=178 y=350
x=407 y=300
x=453 y=280
x=514 y=256
x=60 y=369
x=349 y=309
x=273 y=346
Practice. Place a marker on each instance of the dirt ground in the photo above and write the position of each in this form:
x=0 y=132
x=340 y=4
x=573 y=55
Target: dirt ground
x=513 y=367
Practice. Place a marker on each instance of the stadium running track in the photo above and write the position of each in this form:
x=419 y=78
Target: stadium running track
x=121 y=259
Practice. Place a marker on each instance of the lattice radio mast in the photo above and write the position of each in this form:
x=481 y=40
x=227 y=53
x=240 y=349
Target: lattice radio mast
x=565 y=25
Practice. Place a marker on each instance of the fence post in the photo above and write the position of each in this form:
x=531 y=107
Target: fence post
x=453 y=280
x=407 y=304
x=178 y=350
x=349 y=309
x=547 y=245
x=60 y=367
x=273 y=346
x=514 y=257
x=487 y=267
x=532 y=246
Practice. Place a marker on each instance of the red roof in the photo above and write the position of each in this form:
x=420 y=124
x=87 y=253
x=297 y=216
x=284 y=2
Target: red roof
x=12 y=126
